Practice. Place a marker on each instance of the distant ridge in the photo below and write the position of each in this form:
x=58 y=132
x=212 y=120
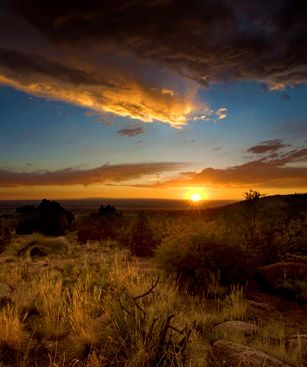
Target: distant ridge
x=274 y=201
x=9 y=206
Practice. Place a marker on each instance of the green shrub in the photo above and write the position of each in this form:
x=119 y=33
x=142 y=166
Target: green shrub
x=194 y=257
x=292 y=289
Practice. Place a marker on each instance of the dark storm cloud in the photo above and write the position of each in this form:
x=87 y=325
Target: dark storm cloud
x=207 y=40
x=267 y=146
x=71 y=176
x=131 y=131
x=147 y=59
x=15 y=63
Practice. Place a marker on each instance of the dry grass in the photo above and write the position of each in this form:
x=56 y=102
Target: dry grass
x=11 y=328
x=271 y=338
x=100 y=309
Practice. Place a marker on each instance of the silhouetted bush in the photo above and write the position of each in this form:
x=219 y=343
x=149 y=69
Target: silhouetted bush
x=196 y=257
x=49 y=218
x=28 y=219
x=141 y=237
x=5 y=237
x=105 y=224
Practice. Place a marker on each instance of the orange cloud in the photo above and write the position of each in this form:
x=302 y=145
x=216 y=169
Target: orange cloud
x=103 y=174
x=101 y=87
x=280 y=171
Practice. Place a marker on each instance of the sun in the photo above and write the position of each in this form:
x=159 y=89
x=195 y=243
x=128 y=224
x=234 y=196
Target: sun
x=195 y=197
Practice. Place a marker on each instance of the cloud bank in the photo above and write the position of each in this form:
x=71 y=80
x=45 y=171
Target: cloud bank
x=101 y=175
x=276 y=169
x=146 y=60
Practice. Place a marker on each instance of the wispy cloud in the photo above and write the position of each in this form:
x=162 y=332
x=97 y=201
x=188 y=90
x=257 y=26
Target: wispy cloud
x=131 y=131
x=221 y=113
x=71 y=176
x=267 y=146
x=211 y=115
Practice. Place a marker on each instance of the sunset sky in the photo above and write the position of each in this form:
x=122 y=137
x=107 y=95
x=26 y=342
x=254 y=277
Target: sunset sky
x=152 y=99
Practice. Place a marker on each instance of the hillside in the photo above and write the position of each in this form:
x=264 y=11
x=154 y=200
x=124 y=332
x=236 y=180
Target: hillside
x=294 y=201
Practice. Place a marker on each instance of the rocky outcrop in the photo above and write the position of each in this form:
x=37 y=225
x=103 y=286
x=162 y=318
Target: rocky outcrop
x=261 y=305
x=234 y=355
x=236 y=327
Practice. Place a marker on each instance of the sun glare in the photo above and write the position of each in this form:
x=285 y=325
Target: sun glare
x=195 y=197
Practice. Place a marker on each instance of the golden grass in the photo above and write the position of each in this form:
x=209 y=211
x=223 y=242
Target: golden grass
x=11 y=327
x=101 y=310
x=271 y=338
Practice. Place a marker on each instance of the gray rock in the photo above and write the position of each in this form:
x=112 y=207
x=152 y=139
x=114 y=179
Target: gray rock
x=5 y=294
x=261 y=305
x=237 y=327
x=234 y=355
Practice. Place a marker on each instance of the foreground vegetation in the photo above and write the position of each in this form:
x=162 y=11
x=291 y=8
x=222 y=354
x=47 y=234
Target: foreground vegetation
x=79 y=301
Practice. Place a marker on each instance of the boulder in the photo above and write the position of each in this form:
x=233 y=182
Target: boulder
x=261 y=305
x=271 y=275
x=233 y=355
x=298 y=343
x=5 y=294
x=236 y=327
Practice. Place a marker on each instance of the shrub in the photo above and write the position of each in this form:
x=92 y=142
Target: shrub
x=141 y=237
x=104 y=224
x=49 y=218
x=292 y=289
x=194 y=257
x=5 y=237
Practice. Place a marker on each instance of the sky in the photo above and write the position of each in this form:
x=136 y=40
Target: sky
x=152 y=99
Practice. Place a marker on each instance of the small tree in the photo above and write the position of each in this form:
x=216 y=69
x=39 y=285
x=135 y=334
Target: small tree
x=142 y=240
x=252 y=198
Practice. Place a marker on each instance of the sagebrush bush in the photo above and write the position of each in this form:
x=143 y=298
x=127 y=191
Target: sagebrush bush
x=141 y=238
x=104 y=224
x=194 y=257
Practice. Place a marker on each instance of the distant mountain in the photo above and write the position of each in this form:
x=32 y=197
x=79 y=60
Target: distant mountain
x=163 y=205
